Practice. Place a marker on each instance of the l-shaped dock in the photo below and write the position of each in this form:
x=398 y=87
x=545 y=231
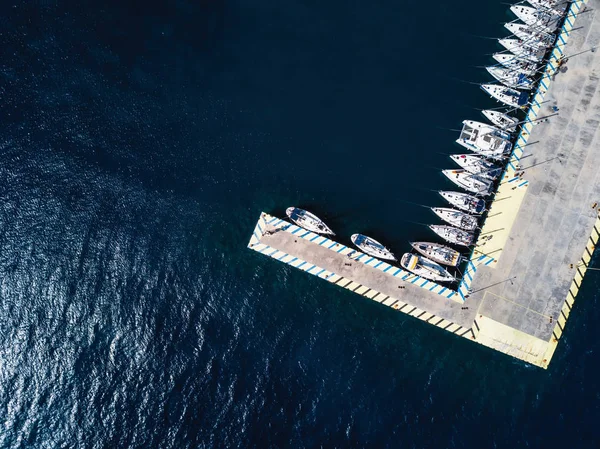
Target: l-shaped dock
x=537 y=241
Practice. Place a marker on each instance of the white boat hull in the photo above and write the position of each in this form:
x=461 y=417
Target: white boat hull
x=372 y=247
x=438 y=253
x=308 y=221
x=453 y=235
x=428 y=269
x=464 y=201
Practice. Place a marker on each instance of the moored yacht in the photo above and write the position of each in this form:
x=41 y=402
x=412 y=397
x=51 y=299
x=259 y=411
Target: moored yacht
x=372 y=247
x=428 y=269
x=506 y=95
x=513 y=62
x=510 y=77
x=464 y=201
x=453 y=235
x=554 y=6
x=477 y=164
x=501 y=120
x=308 y=221
x=484 y=139
x=456 y=218
x=533 y=37
x=544 y=20
x=522 y=49
x=469 y=181
x=438 y=253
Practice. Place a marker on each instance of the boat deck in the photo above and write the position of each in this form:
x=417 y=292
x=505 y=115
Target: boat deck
x=521 y=282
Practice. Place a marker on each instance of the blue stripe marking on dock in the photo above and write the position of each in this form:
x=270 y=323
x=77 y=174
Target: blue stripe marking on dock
x=325 y=239
x=433 y=286
x=415 y=279
x=315 y=238
x=332 y=245
x=443 y=290
x=317 y=274
x=388 y=267
x=516 y=157
x=305 y=234
x=380 y=262
x=513 y=179
x=468 y=274
x=367 y=262
x=536 y=102
x=551 y=65
x=254 y=233
x=359 y=257
x=450 y=295
x=489 y=261
x=259 y=228
x=293 y=260
x=296 y=230
x=405 y=276
x=522 y=138
x=284 y=254
x=425 y=283
x=270 y=254
x=341 y=249
x=511 y=165
x=569 y=21
x=523 y=183
x=397 y=271
x=264 y=249
x=308 y=271
x=543 y=84
x=461 y=295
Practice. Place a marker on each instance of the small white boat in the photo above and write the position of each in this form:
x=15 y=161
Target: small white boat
x=477 y=164
x=521 y=49
x=308 y=221
x=438 y=253
x=428 y=269
x=535 y=18
x=513 y=62
x=506 y=95
x=554 y=6
x=531 y=36
x=453 y=235
x=484 y=139
x=372 y=247
x=456 y=218
x=464 y=201
x=501 y=120
x=510 y=77
x=468 y=181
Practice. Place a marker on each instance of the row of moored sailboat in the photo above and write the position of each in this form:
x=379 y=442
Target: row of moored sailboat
x=489 y=144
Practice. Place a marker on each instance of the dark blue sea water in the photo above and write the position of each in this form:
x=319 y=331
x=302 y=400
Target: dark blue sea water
x=140 y=141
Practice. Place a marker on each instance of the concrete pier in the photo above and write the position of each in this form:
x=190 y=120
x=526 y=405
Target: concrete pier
x=542 y=228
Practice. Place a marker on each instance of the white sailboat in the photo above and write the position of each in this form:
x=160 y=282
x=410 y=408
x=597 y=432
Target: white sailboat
x=428 y=269
x=308 y=221
x=476 y=164
x=522 y=49
x=456 y=218
x=541 y=20
x=372 y=247
x=438 y=253
x=555 y=6
x=510 y=77
x=506 y=95
x=484 y=139
x=531 y=36
x=468 y=181
x=464 y=201
x=501 y=120
x=453 y=235
x=513 y=62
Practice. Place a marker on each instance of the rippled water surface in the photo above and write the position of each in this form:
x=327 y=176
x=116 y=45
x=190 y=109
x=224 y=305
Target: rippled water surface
x=139 y=143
